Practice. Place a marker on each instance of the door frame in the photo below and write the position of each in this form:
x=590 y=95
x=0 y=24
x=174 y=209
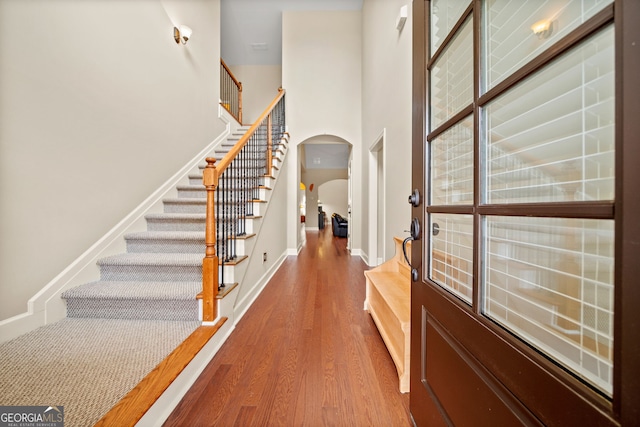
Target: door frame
x=377 y=195
x=622 y=408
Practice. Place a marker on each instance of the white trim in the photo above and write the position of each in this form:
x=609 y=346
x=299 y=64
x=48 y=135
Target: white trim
x=167 y=402
x=363 y=256
x=46 y=306
x=359 y=253
x=376 y=149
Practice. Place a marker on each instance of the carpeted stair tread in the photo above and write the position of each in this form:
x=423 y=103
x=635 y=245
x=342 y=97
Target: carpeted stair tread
x=166 y=242
x=193 y=187
x=185 y=205
x=112 y=290
x=166 y=235
x=176 y=216
x=153 y=259
x=85 y=365
x=186 y=201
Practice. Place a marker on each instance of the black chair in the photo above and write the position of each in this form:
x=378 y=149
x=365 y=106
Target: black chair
x=340 y=225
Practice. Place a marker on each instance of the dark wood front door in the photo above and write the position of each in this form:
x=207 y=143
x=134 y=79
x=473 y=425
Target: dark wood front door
x=525 y=154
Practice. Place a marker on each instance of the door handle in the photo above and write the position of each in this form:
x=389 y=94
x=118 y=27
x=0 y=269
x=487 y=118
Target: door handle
x=414 y=235
x=414 y=198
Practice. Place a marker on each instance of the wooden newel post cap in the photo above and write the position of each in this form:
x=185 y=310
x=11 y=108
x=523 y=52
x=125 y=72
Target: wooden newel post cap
x=210 y=174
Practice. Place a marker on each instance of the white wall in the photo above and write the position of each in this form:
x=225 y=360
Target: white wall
x=99 y=107
x=386 y=109
x=321 y=71
x=333 y=196
x=260 y=85
x=272 y=241
x=319 y=177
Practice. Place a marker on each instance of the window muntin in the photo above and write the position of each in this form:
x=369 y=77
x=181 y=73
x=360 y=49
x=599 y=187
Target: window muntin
x=452 y=165
x=452 y=77
x=510 y=40
x=551 y=138
x=444 y=15
x=507 y=109
x=550 y=281
x=452 y=254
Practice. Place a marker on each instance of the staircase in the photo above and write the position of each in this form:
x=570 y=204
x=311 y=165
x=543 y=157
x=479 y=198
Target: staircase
x=160 y=274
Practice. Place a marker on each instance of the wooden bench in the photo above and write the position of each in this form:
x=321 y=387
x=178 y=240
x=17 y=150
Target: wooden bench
x=388 y=300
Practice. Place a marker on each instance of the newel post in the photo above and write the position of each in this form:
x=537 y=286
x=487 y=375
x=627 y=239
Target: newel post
x=210 y=261
x=269 y=145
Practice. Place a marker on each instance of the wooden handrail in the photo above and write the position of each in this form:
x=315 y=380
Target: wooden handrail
x=228 y=158
x=229 y=105
x=230 y=73
x=211 y=180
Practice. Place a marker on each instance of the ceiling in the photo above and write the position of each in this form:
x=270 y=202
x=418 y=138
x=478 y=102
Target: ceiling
x=325 y=155
x=251 y=30
x=251 y=34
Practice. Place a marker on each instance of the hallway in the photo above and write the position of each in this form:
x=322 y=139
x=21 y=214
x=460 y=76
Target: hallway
x=306 y=353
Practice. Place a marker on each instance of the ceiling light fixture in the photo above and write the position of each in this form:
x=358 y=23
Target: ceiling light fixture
x=182 y=35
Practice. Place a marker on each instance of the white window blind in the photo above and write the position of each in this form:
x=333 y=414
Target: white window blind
x=550 y=281
x=452 y=165
x=444 y=15
x=452 y=78
x=509 y=43
x=551 y=139
x=452 y=254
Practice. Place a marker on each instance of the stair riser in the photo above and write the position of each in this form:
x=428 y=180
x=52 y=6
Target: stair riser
x=175 y=225
x=151 y=273
x=197 y=180
x=163 y=246
x=152 y=246
x=133 y=309
x=199 y=208
x=192 y=193
x=202 y=194
x=228 y=273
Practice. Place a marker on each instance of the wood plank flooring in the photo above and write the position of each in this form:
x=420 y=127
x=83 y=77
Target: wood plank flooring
x=305 y=354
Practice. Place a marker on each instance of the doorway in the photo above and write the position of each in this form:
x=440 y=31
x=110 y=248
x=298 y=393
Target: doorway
x=324 y=166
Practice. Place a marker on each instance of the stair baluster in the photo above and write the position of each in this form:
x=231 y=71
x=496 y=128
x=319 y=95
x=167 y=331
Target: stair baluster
x=235 y=184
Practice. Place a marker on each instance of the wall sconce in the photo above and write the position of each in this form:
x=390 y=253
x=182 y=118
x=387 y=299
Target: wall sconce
x=182 y=35
x=542 y=28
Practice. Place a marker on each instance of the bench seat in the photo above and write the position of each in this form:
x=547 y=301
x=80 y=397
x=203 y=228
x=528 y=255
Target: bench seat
x=388 y=300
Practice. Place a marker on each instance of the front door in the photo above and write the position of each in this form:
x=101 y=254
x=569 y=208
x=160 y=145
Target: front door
x=525 y=308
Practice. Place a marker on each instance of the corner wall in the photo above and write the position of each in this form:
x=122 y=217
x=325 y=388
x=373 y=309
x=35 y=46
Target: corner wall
x=386 y=110
x=260 y=85
x=321 y=71
x=99 y=108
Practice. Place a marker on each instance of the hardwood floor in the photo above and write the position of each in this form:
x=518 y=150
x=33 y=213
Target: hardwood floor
x=306 y=353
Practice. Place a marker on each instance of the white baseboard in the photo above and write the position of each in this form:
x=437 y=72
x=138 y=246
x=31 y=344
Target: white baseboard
x=46 y=306
x=164 y=406
x=362 y=256
x=243 y=305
